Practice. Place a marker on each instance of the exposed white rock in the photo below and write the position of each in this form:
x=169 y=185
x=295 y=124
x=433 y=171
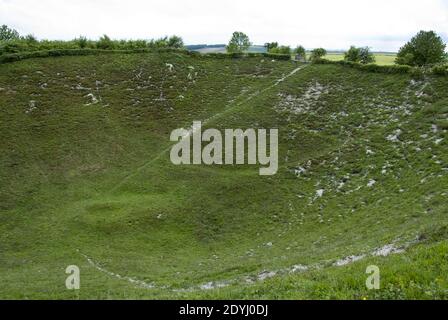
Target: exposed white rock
x=93 y=99
x=348 y=260
x=395 y=136
x=387 y=250
x=298 y=268
x=32 y=105
x=170 y=66
x=266 y=275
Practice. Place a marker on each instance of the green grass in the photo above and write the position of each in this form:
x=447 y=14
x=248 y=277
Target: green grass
x=93 y=180
x=382 y=59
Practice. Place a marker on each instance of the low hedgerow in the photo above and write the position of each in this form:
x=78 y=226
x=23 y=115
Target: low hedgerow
x=440 y=69
x=12 y=57
x=277 y=56
x=237 y=55
x=392 y=69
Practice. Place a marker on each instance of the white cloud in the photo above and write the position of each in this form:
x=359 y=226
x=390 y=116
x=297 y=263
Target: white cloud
x=382 y=24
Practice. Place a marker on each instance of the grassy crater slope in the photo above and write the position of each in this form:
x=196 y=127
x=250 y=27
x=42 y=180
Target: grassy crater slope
x=86 y=180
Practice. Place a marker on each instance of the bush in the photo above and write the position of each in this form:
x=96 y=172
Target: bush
x=426 y=48
x=281 y=50
x=30 y=39
x=370 y=67
x=105 y=43
x=30 y=43
x=440 y=69
x=276 y=56
x=81 y=42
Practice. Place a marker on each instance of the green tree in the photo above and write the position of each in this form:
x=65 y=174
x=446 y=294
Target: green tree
x=270 y=45
x=175 y=42
x=239 y=43
x=159 y=43
x=105 y=43
x=361 y=55
x=30 y=39
x=366 y=56
x=317 y=54
x=425 y=48
x=352 y=54
x=81 y=42
x=300 y=50
x=7 y=33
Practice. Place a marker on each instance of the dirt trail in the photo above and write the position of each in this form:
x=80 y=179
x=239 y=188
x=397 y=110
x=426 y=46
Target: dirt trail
x=384 y=251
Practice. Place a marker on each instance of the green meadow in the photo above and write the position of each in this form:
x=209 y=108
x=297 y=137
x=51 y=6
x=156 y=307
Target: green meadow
x=383 y=59
x=86 y=180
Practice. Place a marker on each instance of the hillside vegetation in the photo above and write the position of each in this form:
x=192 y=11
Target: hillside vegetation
x=86 y=180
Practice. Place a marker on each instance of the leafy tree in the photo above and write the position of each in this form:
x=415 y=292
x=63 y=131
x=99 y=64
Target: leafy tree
x=270 y=45
x=81 y=42
x=352 y=54
x=105 y=43
x=361 y=55
x=366 y=56
x=159 y=43
x=239 y=43
x=30 y=39
x=175 y=42
x=300 y=50
x=317 y=54
x=425 y=48
x=7 y=33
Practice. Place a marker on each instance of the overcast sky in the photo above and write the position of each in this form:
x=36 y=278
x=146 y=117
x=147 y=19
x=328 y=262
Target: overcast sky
x=380 y=24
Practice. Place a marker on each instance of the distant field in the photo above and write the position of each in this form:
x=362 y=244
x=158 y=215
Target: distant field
x=381 y=58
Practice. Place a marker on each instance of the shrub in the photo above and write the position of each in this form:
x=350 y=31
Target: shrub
x=426 y=48
x=371 y=67
x=105 y=43
x=81 y=42
x=276 y=56
x=159 y=43
x=281 y=50
x=440 y=69
x=30 y=39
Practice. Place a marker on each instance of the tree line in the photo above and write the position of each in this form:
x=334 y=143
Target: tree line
x=426 y=48
x=12 y=42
